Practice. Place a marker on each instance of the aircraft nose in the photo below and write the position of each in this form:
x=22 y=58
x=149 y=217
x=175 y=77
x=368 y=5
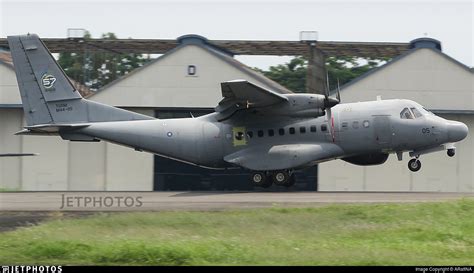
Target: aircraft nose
x=457 y=131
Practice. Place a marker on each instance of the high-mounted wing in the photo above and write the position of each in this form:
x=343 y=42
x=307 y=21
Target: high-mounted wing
x=241 y=94
x=283 y=157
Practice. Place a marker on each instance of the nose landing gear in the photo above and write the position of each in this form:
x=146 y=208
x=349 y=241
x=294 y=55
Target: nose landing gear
x=451 y=152
x=414 y=165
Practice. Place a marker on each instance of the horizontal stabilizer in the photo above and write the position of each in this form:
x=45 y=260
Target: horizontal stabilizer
x=15 y=155
x=49 y=129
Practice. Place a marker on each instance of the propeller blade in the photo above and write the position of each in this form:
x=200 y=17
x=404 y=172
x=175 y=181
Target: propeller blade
x=326 y=94
x=338 y=95
x=330 y=119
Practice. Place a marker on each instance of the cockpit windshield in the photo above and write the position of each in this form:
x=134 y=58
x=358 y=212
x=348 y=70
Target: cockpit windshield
x=406 y=114
x=416 y=112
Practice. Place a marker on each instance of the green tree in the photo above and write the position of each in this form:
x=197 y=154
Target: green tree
x=292 y=75
x=98 y=68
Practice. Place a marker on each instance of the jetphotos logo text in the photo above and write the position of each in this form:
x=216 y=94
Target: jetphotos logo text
x=48 y=82
x=32 y=269
x=100 y=202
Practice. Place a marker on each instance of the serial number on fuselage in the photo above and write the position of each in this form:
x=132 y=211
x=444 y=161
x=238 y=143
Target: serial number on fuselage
x=63 y=107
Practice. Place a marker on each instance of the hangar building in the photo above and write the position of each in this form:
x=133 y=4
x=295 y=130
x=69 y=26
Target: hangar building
x=186 y=81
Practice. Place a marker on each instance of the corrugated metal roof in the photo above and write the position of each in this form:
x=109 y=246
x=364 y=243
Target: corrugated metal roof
x=235 y=47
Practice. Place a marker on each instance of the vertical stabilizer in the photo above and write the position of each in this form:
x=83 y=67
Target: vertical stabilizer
x=47 y=94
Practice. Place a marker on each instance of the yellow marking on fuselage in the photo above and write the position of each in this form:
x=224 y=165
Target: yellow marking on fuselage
x=239 y=142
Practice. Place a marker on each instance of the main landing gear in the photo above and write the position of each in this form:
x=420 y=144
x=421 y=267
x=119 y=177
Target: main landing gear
x=266 y=179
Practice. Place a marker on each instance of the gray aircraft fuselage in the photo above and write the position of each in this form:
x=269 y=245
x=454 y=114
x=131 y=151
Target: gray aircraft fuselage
x=359 y=128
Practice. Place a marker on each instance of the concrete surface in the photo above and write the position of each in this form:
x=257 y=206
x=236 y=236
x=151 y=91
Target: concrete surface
x=159 y=201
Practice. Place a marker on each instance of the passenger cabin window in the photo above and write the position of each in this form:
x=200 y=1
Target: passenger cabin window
x=281 y=131
x=312 y=128
x=302 y=130
x=406 y=114
x=324 y=127
x=271 y=132
x=250 y=134
x=292 y=130
x=416 y=112
x=355 y=124
x=260 y=133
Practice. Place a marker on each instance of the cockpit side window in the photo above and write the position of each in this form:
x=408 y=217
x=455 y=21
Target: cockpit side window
x=406 y=114
x=416 y=112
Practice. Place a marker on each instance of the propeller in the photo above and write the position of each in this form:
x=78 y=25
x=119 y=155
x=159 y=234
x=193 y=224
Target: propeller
x=330 y=102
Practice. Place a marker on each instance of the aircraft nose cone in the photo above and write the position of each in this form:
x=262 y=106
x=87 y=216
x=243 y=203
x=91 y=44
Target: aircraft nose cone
x=457 y=131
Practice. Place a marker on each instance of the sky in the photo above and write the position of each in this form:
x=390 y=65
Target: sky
x=451 y=22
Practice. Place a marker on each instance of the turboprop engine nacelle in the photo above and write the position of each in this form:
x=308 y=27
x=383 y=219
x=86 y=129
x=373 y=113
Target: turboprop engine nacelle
x=304 y=105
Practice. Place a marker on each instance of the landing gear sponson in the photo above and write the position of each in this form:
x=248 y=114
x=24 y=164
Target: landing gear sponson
x=279 y=178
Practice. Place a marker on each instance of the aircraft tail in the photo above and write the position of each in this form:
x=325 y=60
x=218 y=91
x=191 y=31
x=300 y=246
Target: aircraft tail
x=47 y=94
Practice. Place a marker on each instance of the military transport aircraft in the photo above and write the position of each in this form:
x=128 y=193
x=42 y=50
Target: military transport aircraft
x=269 y=133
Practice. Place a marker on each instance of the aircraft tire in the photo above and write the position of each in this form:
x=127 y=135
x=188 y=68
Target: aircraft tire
x=414 y=165
x=280 y=178
x=259 y=179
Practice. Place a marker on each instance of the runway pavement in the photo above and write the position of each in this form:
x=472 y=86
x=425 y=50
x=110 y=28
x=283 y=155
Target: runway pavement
x=161 y=201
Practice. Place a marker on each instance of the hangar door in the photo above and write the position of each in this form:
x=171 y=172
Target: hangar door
x=170 y=175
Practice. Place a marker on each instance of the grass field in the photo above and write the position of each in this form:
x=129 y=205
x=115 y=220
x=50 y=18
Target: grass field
x=377 y=234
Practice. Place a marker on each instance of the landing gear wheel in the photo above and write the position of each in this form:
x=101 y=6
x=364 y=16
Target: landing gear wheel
x=259 y=179
x=280 y=178
x=414 y=165
x=290 y=181
x=451 y=152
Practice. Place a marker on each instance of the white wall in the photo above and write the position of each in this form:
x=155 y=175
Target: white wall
x=9 y=92
x=10 y=167
x=165 y=83
x=65 y=165
x=424 y=76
